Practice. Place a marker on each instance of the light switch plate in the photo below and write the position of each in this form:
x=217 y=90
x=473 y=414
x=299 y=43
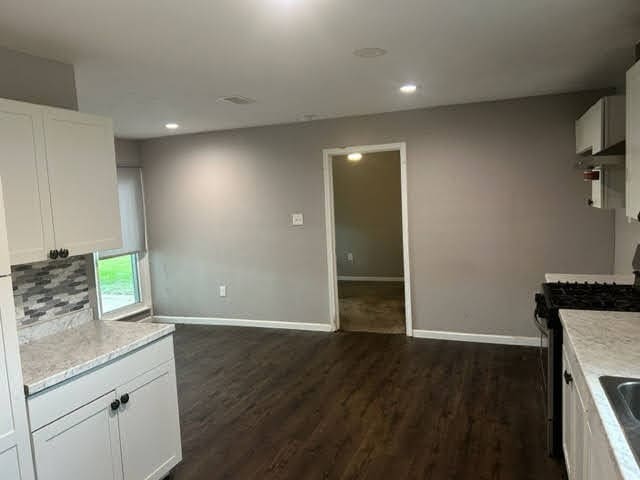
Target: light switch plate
x=297 y=219
x=223 y=290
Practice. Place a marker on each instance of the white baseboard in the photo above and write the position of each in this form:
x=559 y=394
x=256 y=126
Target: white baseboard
x=346 y=278
x=478 y=338
x=240 y=322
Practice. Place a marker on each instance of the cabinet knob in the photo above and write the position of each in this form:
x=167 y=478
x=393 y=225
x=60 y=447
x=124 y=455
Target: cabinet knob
x=124 y=399
x=568 y=378
x=63 y=252
x=115 y=404
x=53 y=254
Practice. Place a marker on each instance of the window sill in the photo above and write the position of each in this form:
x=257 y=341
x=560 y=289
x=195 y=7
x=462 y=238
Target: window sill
x=124 y=313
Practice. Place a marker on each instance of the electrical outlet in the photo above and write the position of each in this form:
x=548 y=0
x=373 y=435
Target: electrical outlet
x=350 y=257
x=297 y=219
x=223 y=290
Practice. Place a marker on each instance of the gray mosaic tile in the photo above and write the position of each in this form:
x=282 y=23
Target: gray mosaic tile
x=50 y=289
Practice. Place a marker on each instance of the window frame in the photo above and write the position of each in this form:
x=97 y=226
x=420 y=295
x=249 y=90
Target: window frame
x=144 y=285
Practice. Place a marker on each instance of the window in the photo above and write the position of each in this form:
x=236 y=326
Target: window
x=122 y=284
x=119 y=282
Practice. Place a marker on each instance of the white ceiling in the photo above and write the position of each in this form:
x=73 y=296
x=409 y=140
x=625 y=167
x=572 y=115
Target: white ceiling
x=146 y=63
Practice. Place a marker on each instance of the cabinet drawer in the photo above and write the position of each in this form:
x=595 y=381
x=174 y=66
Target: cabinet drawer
x=51 y=404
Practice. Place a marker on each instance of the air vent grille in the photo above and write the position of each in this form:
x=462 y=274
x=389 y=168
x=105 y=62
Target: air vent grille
x=237 y=100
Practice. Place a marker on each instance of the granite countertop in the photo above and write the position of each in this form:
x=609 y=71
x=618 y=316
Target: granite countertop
x=56 y=358
x=569 y=277
x=607 y=343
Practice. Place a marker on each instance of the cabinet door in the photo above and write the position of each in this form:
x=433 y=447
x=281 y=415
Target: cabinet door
x=149 y=424
x=15 y=446
x=10 y=465
x=633 y=142
x=23 y=173
x=581 y=443
x=589 y=129
x=567 y=415
x=83 y=444
x=82 y=181
x=599 y=463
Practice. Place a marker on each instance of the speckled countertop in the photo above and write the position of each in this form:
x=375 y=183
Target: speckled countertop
x=590 y=277
x=56 y=358
x=607 y=343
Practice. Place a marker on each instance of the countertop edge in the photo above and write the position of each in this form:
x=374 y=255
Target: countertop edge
x=76 y=370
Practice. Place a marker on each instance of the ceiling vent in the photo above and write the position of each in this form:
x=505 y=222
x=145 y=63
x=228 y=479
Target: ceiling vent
x=370 y=52
x=237 y=100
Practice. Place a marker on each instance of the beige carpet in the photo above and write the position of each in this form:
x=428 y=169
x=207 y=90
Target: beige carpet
x=372 y=307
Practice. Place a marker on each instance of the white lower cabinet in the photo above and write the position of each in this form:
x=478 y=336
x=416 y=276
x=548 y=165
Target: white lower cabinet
x=130 y=432
x=9 y=464
x=586 y=449
x=149 y=428
x=83 y=444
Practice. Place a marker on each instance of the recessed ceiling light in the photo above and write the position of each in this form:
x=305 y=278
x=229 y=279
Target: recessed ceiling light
x=171 y=126
x=369 y=52
x=408 y=88
x=354 y=157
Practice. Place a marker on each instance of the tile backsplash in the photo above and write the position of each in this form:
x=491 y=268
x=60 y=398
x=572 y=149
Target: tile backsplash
x=46 y=290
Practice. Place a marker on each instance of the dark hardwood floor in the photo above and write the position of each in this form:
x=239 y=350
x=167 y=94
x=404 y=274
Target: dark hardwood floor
x=276 y=404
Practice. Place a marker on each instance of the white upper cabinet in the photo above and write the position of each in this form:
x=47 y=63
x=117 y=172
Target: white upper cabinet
x=23 y=171
x=601 y=128
x=633 y=142
x=82 y=180
x=59 y=175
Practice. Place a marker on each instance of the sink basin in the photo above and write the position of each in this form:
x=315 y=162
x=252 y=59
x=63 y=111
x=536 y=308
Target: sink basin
x=630 y=392
x=624 y=396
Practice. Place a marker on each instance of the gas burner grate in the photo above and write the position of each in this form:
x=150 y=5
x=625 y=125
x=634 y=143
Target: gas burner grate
x=592 y=296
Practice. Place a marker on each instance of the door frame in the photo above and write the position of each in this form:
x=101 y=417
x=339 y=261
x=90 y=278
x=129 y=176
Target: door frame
x=329 y=208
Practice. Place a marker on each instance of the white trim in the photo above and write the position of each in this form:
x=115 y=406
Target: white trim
x=242 y=322
x=334 y=307
x=347 y=278
x=478 y=338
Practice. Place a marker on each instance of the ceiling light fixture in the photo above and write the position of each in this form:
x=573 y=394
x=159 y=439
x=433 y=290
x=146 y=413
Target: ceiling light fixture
x=409 y=88
x=172 y=126
x=354 y=157
x=369 y=52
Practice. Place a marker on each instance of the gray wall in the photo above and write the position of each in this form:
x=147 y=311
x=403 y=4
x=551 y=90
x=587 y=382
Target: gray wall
x=37 y=80
x=494 y=202
x=627 y=238
x=368 y=215
x=127 y=153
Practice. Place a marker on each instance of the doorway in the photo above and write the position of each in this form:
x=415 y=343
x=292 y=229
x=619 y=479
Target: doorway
x=367 y=238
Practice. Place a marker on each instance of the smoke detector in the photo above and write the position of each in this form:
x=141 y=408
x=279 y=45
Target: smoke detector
x=369 y=52
x=237 y=100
